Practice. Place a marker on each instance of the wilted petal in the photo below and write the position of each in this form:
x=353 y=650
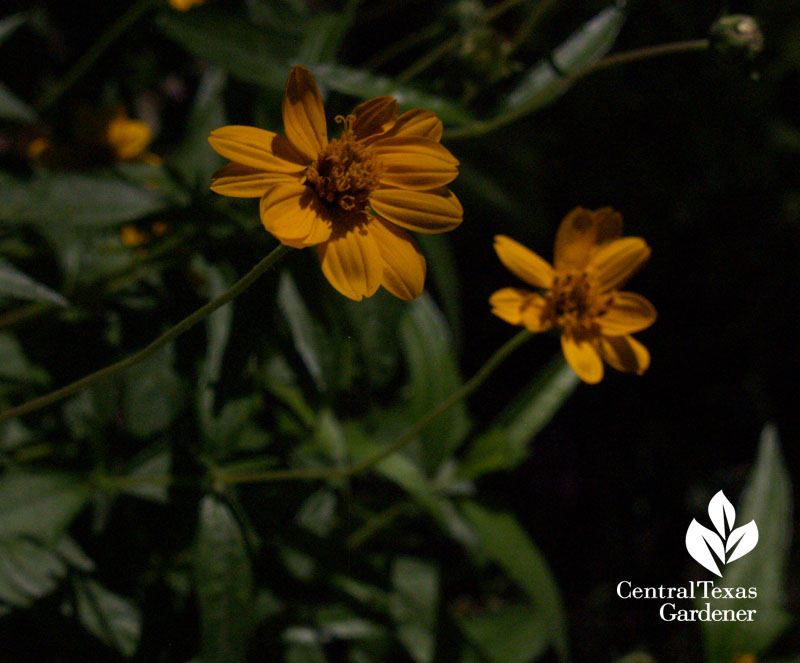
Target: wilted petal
x=434 y=211
x=523 y=263
x=624 y=353
x=257 y=148
x=411 y=162
x=404 y=264
x=615 y=262
x=583 y=358
x=374 y=116
x=580 y=233
x=352 y=262
x=239 y=181
x=304 y=114
x=292 y=213
x=627 y=313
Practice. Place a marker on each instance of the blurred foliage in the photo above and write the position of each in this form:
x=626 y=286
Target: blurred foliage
x=133 y=522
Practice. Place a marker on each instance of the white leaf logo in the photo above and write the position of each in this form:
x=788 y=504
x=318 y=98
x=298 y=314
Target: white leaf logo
x=712 y=549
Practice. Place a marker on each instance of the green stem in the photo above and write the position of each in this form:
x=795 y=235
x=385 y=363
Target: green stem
x=531 y=22
x=171 y=334
x=112 y=33
x=403 y=440
x=483 y=127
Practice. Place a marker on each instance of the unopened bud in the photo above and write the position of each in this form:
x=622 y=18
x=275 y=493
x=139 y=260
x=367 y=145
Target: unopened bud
x=738 y=33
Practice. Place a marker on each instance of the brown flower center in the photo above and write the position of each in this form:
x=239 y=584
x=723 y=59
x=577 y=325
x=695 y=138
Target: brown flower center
x=345 y=173
x=574 y=303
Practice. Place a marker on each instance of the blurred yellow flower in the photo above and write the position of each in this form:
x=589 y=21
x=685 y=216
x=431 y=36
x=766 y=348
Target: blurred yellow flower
x=185 y=5
x=580 y=295
x=127 y=138
x=352 y=196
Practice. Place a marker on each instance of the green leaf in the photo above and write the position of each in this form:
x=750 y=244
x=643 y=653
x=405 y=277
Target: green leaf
x=544 y=83
x=413 y=605
x=318 y=513
x=14 y=283
x=505 y=445
x=433 y=376
x=14 y=365
x=224 y=579
x=76 y=199
x=253 y=53
x=39 y=505
x=152 y=465
x=512 y=634
x=504 y=542
x=194 y=161
x=10 y=23
x=152 y=395
x=766 y=499
x=443 y=274
x=13 y=108
x=325 y=33
x=114 y=620
x=364 y=85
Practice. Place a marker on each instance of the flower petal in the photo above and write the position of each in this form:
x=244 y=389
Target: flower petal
x=628 y=313
x=304 y=114
x=434 y=211
x=293 y=214
x=579 y=234
x=533 y=310
x=583 y=358
x=403 y=262
x=411 y=162
x=523 y=262
x=352 y=262
x=615 y=262
x=625 y=354
x=257 y=148
x=374 y=116
x=240 y=181
x=418 y=122
x=507 y=303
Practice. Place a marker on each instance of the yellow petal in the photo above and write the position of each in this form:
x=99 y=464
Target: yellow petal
x=411 y=162
x=404 y=264
x=583 y=358
x=523 y=262
x=434 y=211
x=533 y=310
x=507 y=303
x=579 y=234
x=627 y=313
x=127 y=138
x=257 y=148
x=240 y=181
x=304 y=114
x=615 y=262
x=352 y=262
x=625 y=354
x=294 y=215
x=418 y=122
x=374 y=116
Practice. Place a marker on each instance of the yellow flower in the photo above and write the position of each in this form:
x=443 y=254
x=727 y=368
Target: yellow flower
x=580 y=295
x=352 y=196
x=184 y=5
x=127 y=138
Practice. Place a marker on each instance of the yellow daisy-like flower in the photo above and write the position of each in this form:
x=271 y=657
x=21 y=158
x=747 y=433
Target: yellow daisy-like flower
x=353 y=196
x=580 y=293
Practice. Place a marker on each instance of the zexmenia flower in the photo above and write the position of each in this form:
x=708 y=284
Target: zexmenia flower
x=352 y=196
x=580 y=294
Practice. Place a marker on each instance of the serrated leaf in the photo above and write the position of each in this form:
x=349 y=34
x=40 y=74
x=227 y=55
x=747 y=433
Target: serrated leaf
x=413 y=606
x=114 y=620
x=76 y=199
x=14 y=283
x=224 y=580
x=433 y=376
x=506 y=445
x=194 y=160
x=766 y=500
x=364 y=85
x=13 y=108
x=256 y=54
x=503 y=541
x=512 y=634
